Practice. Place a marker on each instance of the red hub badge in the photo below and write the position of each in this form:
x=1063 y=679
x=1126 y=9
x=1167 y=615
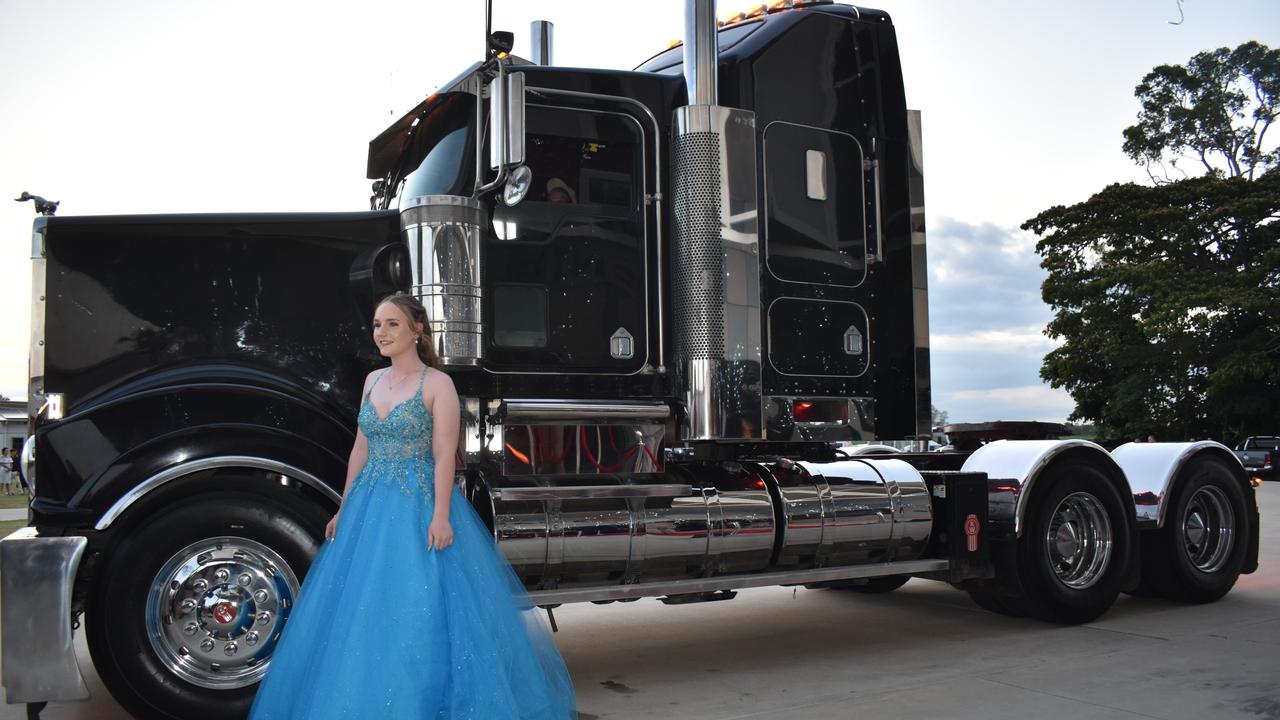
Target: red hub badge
x=224 y=613
x=971 y=529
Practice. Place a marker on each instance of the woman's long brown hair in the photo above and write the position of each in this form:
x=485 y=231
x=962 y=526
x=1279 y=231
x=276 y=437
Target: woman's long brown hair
x=412 y=307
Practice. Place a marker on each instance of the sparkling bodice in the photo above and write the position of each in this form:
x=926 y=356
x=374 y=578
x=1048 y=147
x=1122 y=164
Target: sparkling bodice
x=399 y=444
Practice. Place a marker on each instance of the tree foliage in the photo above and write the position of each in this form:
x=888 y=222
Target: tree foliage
x=1167 y=303
x=1216 y=109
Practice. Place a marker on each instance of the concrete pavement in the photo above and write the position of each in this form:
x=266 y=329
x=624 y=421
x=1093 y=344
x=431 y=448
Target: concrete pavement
x=924 y=651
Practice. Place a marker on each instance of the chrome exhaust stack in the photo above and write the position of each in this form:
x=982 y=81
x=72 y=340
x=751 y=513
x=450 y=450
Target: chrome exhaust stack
x=715 y=263
x=541 y=34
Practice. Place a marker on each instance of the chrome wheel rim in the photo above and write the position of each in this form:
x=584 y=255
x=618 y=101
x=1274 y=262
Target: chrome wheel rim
x=1208 y=529
x=1078 y=540
x=215 y=611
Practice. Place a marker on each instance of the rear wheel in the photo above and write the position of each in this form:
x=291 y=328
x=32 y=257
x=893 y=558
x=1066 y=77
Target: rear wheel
x=1198 y=554
x=1075 y=545
x=192 y=603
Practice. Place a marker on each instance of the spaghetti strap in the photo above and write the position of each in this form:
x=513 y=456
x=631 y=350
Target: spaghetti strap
x=376 y=381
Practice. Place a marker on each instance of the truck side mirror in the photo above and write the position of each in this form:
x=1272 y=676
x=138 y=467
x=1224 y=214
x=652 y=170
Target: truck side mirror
x=506 y=119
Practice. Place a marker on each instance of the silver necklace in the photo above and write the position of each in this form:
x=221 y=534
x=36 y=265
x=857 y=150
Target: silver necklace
x=391 y=385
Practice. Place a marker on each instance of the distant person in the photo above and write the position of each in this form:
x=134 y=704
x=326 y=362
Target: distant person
x=1151 y=438
x=6 y=471
x=558 y=191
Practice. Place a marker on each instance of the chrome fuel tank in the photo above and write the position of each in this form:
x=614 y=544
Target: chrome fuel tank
x=703 y=519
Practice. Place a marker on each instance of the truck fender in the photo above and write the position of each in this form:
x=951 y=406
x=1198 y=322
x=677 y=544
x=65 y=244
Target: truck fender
x=1155 y=469
x=1152 y=469
x=1017 y=464
x=184 y=469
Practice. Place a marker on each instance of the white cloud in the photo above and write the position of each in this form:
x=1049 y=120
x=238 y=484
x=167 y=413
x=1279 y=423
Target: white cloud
x=1027 y=402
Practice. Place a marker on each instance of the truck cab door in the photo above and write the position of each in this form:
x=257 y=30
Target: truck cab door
x=567 y=274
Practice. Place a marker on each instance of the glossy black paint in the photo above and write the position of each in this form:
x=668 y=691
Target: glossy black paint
x=177 y=337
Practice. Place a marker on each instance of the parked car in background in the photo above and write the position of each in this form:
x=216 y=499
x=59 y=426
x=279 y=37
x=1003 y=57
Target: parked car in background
x=1259 y=454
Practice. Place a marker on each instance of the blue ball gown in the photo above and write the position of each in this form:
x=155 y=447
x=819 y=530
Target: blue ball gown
x=385 y=628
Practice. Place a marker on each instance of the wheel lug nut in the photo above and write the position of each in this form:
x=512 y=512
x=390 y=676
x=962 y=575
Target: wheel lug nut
x=200 y=585
x=222 y=574
x=251 y=638
x=187 y=606
x=191 y=628
x=206 y=645
x=244 y=580
x=260 y=595
x=264 y=618
x=230 y=649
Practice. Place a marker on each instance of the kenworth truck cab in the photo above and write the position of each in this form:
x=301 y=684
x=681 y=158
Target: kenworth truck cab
x=669 y=298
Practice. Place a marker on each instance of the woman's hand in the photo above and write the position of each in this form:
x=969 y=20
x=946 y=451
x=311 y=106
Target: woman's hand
x=439 y=534
x=331 y=530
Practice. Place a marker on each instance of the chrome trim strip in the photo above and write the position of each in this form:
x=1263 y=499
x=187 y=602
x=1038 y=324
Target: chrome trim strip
x=764 y=225
x=555 y=411
x=137 y=492
x=37 y=575
x=730 y=582
x=866 y=340
x=39 y=282
x=656 y=200
x=565 y=492
x=919 y=275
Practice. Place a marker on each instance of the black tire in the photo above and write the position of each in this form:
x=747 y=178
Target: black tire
x=123 y=649
x=1079 y=585
x=876 y=585
x=1198 y=554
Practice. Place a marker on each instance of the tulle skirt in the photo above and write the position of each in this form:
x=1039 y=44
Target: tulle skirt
x=384 y=628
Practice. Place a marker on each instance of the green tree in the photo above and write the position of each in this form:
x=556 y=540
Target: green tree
x=1166 y=297
x=1167 y=303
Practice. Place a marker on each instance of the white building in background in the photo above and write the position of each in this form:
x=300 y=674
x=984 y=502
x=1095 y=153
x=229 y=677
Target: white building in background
x=14 y=425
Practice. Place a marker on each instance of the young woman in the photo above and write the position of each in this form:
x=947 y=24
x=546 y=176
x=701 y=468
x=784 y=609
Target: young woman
x=409 y=610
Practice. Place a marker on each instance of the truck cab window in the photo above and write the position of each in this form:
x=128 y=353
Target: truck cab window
x=443 y=140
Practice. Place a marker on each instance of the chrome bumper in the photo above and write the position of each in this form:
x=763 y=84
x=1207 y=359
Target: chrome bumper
x=36 y=578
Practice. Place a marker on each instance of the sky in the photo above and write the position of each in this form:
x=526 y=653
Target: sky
x=141 y=106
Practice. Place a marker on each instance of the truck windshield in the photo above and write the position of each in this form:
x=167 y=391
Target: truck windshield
x=438 y=155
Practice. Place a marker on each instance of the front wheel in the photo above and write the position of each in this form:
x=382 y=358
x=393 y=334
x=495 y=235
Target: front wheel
x=1198 y=554
x=1075 y=545
x=193 y=602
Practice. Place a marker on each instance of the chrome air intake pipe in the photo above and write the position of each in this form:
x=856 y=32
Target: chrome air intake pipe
x=443 y=233
x=715 y=264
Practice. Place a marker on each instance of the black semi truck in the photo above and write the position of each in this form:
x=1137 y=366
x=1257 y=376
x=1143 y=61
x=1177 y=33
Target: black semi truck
x=670 y=298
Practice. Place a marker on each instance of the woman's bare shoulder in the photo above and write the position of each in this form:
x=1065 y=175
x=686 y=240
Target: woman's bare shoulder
x=370 y=378
x=438 y=382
